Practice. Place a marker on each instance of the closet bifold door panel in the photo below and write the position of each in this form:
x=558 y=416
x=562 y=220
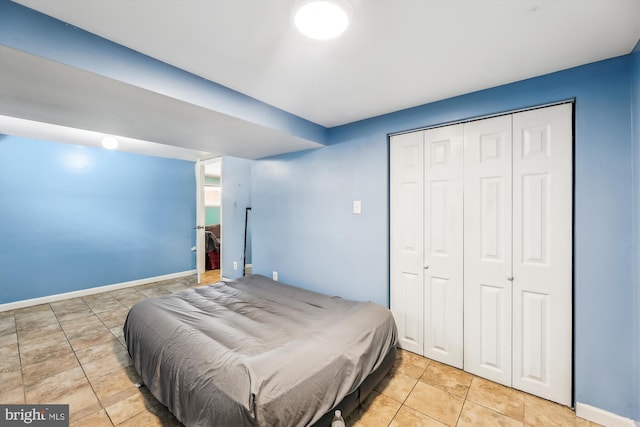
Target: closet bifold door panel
x=443 y=233
x=542 y=252
x=518 y=250
x=406 y=158
x=487 y=248
x=481 y=252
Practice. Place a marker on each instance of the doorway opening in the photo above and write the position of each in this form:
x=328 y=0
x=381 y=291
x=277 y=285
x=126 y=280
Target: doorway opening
x=209 y=220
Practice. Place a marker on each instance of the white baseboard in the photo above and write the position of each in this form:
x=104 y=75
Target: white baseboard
x=91 y=291
x=602 y=417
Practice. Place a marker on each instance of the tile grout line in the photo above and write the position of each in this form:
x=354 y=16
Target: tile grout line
x=146 y=408
x=80 y=363
x=464 y=398
x=494 y=410
x=109 y=329
x=395 y=414
x=464 y=401
x=24 y=384
x=92 y=387
x=24 y=387
x=91 y=384
x=406 y=397
x=419 y=379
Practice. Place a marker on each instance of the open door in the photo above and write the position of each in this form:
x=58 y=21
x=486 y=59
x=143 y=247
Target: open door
x=199 y=227
x=206 y=171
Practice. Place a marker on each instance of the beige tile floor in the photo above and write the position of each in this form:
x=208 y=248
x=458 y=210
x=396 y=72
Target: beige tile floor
x=73 y=352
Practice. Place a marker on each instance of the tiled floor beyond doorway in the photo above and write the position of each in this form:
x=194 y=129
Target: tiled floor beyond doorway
x=210 y=276
x=73 y=352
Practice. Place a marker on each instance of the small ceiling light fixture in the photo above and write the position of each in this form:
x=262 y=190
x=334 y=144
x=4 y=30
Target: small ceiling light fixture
x=321 y=19
x=109 y=142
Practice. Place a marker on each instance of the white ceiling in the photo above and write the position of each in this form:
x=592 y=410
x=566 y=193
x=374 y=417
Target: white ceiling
x=394 y=55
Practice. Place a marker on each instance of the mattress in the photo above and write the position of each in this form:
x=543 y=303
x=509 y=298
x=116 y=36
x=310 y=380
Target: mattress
x=254 y=352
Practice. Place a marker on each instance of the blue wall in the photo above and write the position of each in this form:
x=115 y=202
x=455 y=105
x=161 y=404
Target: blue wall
x=74 y=217
x=304 y=227
x=236 y=197
x=635 y=118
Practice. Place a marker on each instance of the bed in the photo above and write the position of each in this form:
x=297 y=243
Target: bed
x=255 y=352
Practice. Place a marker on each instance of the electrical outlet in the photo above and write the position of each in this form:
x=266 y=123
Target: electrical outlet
x=357 y=207
x=235 y=265
x=275 y=276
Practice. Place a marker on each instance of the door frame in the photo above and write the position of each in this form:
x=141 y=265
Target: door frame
x=201 y=213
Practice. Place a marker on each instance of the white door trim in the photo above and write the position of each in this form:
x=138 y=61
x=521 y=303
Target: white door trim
x=487 y=116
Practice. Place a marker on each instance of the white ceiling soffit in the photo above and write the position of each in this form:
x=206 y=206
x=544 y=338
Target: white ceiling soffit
x=68 y=135
x=394 y=55
x=41 y=90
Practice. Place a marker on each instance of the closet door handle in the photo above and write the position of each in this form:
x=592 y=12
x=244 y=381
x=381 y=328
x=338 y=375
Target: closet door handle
x=426 y=267
x=510 y=278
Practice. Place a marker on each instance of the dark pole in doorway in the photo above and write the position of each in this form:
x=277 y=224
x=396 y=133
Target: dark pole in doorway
x=244 y=259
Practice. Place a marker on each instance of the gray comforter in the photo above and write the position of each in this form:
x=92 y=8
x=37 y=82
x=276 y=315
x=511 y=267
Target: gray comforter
x=255 y=352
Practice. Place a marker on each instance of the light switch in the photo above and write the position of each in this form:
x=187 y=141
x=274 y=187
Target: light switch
x=357 y=206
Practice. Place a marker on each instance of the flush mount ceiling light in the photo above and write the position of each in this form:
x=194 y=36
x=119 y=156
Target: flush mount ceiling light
x=321 y=19
x=109 y=142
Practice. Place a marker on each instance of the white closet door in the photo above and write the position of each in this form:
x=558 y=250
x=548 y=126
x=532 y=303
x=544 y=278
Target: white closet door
x=443 y=250
x=487 y=248
x=542 y=252
x=406 y=227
